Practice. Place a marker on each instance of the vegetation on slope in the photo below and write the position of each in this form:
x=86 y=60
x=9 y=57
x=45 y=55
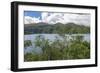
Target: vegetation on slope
x=69 y=28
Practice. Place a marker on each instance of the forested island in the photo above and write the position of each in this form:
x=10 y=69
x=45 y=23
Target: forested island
x=44 y=28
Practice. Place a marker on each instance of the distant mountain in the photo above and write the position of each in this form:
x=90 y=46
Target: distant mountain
x=58 y=28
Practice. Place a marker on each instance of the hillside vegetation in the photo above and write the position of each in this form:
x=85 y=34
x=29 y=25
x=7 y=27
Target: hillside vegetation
x=69 y=28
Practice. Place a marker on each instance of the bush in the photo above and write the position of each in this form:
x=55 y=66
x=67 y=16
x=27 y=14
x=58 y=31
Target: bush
x=58 y=50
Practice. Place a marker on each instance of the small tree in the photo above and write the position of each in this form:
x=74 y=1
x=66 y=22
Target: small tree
x=27 y=43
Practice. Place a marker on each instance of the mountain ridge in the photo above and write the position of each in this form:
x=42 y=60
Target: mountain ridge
x=56 y=28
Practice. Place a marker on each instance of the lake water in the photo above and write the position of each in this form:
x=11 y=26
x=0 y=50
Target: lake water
x=51 y=37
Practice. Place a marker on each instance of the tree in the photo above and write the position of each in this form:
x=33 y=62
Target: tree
x=27 y=43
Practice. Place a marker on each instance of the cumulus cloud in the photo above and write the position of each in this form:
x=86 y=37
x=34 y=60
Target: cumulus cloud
x=79 y=19
x=52 y=18
x=29 y=20
x=44 y=15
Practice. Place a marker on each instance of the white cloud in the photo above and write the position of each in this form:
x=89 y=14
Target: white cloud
x=44 y=15
x=36 y=20
x=79 y=19
x=52 y=18
x=29 y=20
x=64 y=18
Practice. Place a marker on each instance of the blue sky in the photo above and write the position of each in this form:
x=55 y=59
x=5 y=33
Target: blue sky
x=33 y=14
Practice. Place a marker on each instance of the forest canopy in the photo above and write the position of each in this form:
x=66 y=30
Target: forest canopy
x=69 y=28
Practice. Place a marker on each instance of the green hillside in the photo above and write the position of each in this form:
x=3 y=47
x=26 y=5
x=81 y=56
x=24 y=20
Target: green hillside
x=58 y=28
